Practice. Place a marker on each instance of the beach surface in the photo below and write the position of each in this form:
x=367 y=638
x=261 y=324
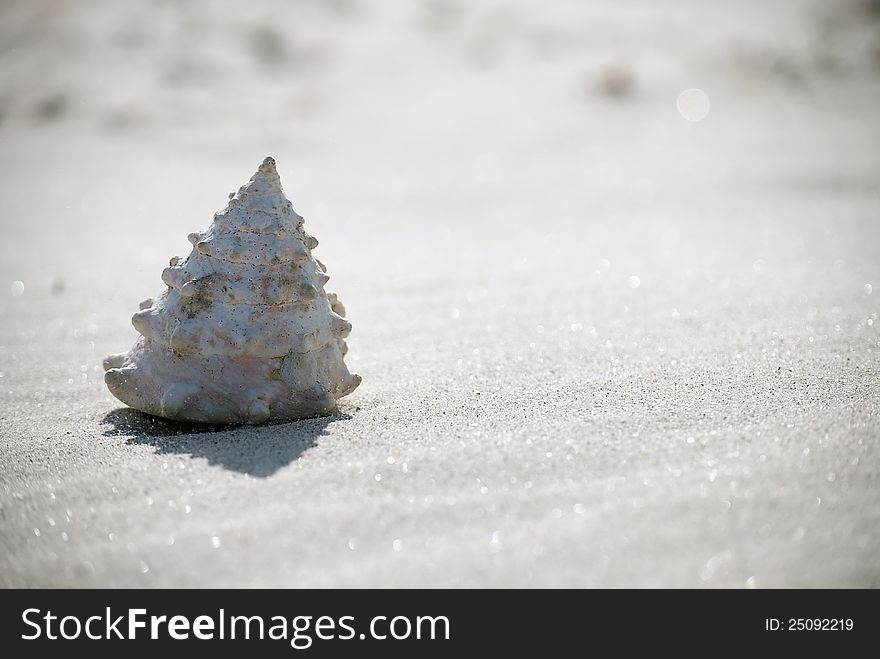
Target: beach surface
x=602 y=343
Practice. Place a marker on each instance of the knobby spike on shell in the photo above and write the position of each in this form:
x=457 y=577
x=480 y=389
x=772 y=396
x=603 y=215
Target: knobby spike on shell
x=244 y=332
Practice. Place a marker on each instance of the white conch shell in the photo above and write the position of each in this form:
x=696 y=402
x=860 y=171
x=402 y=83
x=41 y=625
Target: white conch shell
x=244 y=332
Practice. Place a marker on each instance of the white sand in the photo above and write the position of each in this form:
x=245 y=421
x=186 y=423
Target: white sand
x=527 y=417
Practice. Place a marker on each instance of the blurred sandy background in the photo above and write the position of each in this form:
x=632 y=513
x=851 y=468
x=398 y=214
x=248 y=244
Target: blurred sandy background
x=602 y=345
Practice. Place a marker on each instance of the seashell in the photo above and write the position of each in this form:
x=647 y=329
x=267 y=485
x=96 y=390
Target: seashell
x=244 y=332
